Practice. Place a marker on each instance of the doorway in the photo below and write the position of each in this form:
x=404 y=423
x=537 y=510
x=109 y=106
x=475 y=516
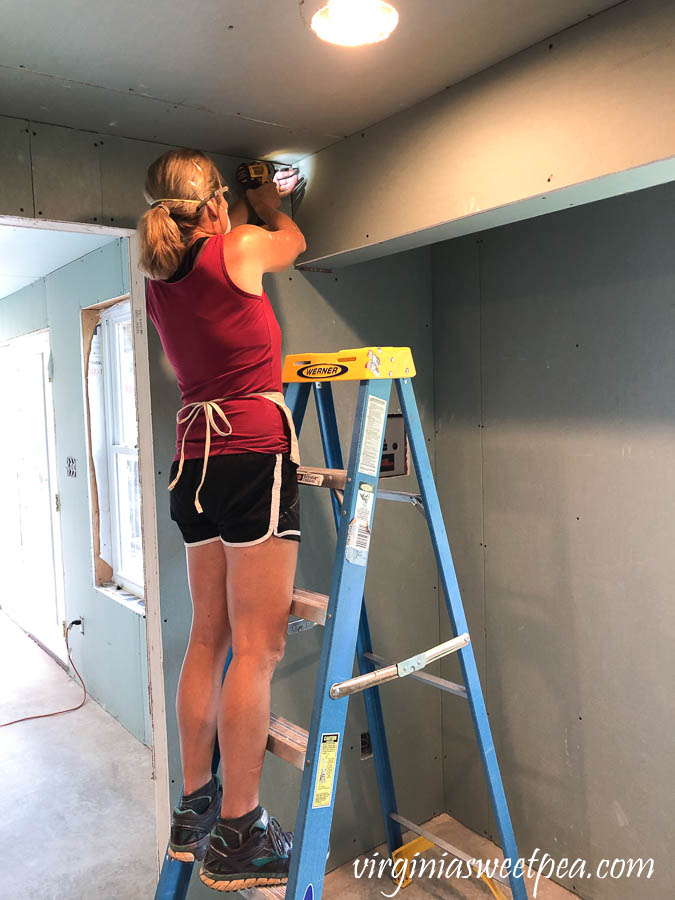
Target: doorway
x=30 y=538
x=49 y=274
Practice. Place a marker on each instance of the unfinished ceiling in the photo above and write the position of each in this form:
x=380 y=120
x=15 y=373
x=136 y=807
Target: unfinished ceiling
x=28 y=254
x=247 y=79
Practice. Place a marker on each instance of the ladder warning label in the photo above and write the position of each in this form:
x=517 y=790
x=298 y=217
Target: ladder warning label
x=313 y=478
x=358 y=536
x=371 y=448
x=325 y=771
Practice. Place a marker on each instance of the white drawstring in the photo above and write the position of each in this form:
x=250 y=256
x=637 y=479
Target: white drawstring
x=189 y=413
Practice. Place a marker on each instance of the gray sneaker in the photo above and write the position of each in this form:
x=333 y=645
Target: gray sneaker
x=190 y=828
x=261 y=857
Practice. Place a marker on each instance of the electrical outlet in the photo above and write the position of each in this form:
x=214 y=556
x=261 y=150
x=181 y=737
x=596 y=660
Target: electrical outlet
x=81 y=624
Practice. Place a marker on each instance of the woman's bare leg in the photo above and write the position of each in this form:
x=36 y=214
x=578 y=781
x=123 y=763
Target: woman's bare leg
x=200 y=681
x=259 y=593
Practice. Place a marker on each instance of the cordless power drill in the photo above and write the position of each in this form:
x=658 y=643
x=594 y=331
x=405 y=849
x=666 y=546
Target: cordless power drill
x=252 y=175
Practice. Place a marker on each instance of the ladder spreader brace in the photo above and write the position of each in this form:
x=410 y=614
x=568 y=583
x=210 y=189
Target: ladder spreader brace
x=343 y=615
x=398 y=670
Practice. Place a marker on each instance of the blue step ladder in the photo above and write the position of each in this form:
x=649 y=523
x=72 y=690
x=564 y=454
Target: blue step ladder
x=343 y=615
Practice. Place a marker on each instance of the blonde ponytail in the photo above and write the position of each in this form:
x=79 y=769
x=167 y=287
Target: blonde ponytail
x=177 y=185
x=162 y=245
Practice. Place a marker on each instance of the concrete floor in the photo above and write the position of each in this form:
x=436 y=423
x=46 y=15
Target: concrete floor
x=78 y=804
x=78 y=817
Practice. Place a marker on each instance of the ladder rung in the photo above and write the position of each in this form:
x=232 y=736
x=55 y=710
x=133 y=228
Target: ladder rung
x=317 y=477
x=403 y=497
x=335 y=479
x=309 y=605
x=287 y=741
x=269 y=893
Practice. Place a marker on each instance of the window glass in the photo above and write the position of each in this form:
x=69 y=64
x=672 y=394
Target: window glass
x=129 y=518
x=126 y=430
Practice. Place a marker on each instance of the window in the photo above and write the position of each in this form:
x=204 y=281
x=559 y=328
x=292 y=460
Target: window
x=114 y=448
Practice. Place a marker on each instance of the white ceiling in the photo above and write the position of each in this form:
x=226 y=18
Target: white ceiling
x=247 y=78
x=27 y=254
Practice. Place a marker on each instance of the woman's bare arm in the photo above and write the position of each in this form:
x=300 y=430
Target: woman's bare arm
x=250 y=251
x=241 y=212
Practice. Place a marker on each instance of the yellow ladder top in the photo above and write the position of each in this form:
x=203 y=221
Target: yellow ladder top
x=350 y=365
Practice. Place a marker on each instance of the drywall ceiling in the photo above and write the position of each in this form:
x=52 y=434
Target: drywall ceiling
x=247 y=79
x=27 y=254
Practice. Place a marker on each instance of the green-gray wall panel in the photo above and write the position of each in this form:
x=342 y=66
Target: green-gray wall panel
x=384 y=302
x=577 y=365
x=457 y=405
x=111 y=654
x=123 y=165
x=24 y=311
x=16 y=188
x=66 y=174
x=110 y=650
x=80 y=176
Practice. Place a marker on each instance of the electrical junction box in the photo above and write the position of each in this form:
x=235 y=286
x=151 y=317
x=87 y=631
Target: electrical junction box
x=395 y=452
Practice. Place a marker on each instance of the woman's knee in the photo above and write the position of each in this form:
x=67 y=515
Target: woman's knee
x=209 y=638
x=265 y=655
x=275 y=653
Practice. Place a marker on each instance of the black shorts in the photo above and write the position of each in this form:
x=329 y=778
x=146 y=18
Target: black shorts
x=246 y=498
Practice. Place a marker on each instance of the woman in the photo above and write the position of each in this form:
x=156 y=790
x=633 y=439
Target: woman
x=234 y=497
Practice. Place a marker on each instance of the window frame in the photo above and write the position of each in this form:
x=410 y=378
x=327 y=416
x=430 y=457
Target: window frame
x=116 y=314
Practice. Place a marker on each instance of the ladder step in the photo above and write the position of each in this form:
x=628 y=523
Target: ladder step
x=317 y=477
x=335 y=479
x=268 y=893
x=309 y=605
x=287 y=741
x=444 y=845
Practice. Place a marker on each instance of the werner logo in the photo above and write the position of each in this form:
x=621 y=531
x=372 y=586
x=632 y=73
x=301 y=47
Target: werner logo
x=327 y=370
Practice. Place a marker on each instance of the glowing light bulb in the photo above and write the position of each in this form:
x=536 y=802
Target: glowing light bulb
x=351 y=23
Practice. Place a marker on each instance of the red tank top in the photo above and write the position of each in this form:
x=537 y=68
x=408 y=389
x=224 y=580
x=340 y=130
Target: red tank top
x=221 y=342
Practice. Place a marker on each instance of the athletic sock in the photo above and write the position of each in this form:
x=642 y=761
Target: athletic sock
x=200 y=800
x=236 y=831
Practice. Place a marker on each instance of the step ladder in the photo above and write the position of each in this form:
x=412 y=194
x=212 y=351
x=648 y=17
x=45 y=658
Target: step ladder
x=343 y=615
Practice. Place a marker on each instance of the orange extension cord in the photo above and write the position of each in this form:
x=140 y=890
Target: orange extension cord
x=60 y=711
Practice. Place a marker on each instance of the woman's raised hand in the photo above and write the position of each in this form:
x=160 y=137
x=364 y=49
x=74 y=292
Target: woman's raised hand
x=267 y=193
x=271 y=192
x=286 y=180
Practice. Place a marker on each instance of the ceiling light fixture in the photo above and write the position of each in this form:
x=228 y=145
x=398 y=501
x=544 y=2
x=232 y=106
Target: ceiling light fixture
x=352 y=23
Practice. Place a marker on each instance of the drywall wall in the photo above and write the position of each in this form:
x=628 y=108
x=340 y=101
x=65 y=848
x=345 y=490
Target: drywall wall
x=60 y=174
x=111 y=654
x=584 y=115
x=385 y=302
x=554 y=350
x=578 y=117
